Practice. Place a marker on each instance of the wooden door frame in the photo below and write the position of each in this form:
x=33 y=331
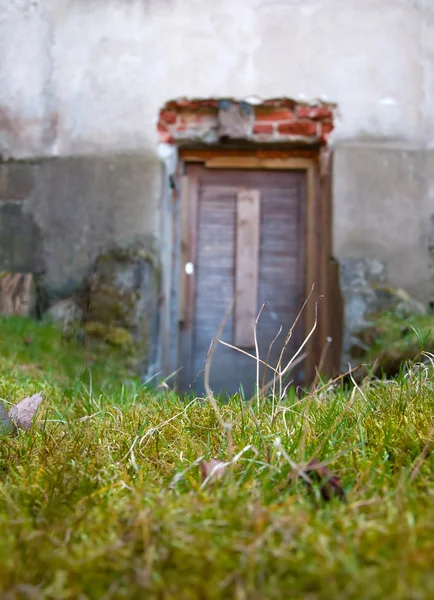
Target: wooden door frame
x=317 y=235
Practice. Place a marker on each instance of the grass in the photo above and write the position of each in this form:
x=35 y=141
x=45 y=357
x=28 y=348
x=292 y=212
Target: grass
x=105 y=500
x=34 y=350
x=393 y=339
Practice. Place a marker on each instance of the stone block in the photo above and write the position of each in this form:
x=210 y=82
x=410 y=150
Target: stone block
x=124 y=292
x=21 y=248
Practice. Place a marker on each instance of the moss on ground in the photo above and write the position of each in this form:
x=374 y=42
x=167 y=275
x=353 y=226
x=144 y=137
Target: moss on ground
x=105 y=499
x=114 y=336
x=32 y=349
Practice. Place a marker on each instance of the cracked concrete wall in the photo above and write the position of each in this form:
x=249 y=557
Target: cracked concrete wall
x=86 y=79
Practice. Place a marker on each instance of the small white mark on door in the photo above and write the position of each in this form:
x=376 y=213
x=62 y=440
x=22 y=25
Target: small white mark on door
x=189 y=268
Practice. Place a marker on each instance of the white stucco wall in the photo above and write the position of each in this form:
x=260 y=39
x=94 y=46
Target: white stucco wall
x=79 y=76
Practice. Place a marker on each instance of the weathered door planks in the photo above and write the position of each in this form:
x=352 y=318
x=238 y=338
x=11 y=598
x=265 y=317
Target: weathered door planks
x=315 y=267
x=246 y=267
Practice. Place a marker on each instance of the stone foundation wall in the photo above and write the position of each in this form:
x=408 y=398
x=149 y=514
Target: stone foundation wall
x=21 y=238
x=60 y=217
x=57 y=216
x=361 y=280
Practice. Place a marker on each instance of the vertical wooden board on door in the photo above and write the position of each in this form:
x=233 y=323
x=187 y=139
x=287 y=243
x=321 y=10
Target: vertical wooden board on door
x=246 y=267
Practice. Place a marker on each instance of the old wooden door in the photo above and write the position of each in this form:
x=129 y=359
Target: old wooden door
x=245 y=246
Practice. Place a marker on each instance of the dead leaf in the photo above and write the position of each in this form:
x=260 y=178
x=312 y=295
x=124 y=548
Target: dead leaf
x=330 y=484
x=212 y=470
x=6 y=425
x=22 y=414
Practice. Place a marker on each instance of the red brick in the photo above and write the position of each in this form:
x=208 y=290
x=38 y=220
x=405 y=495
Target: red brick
x=168 y=116
x=324 y=113
x=210 y=103
x=278 y=114
x=280 y=103
x=263 y=129
x=184 y=103
x=171 y=105
x=288 y=103
x=192 y=125
x=316 y=113
x=272 y=103
x=326 y=129
x=179 y=104
x=299 y=128
x=164 y=135
x=190 y=118
x=303 y=112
